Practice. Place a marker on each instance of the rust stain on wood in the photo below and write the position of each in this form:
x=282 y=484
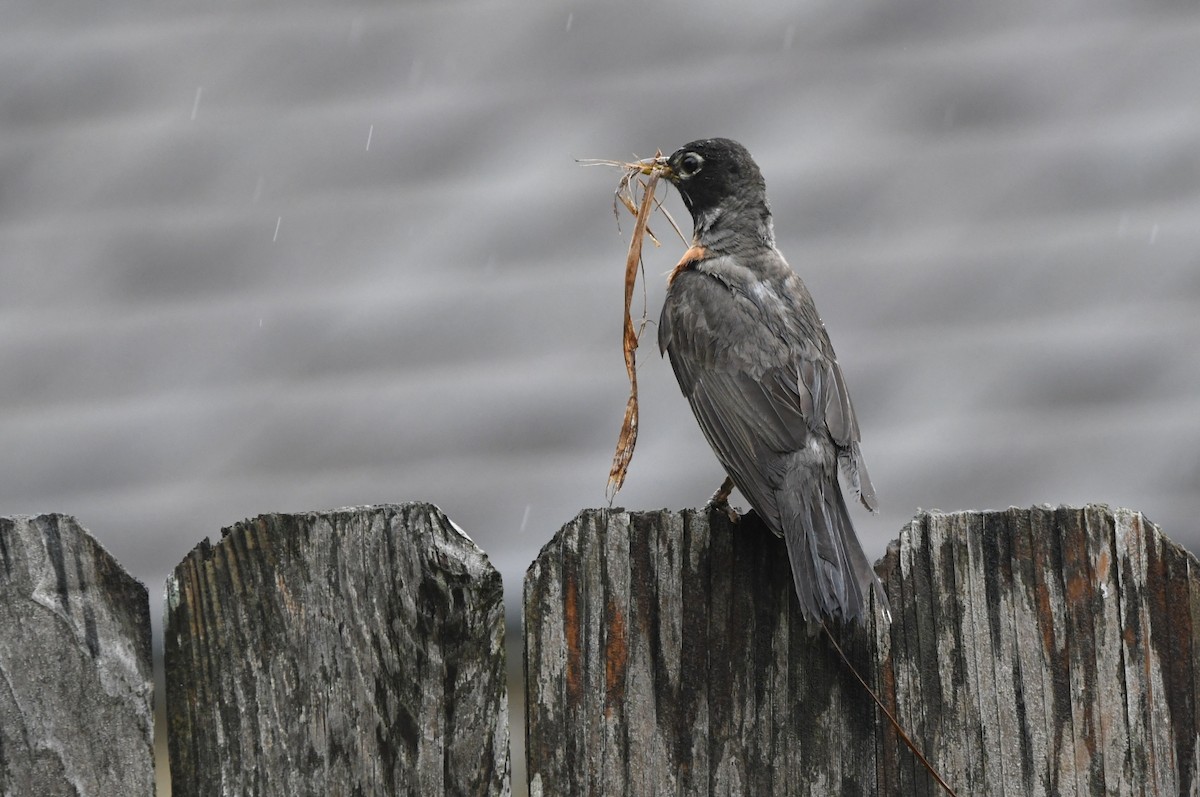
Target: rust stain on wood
x=573 y=634
x=889 y=752
x=1079 y=588
x=616 y=659
x=1045 y=616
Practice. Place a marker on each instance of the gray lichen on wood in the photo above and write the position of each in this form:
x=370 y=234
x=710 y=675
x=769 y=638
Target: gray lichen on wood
x=76 y=688
x=1032 y=652
x=358 y=651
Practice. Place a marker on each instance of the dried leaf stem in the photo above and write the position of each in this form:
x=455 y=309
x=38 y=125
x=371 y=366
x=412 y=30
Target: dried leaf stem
x=629 y=426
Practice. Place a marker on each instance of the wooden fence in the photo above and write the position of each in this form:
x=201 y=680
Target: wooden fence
x=360 y=651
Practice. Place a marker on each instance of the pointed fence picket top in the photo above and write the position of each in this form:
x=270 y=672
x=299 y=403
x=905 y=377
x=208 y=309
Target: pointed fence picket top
x=76 y=686
x=357 y=651
x=1031 y=652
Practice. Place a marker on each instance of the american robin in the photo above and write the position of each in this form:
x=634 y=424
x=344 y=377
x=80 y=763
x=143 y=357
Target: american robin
x=753 y=359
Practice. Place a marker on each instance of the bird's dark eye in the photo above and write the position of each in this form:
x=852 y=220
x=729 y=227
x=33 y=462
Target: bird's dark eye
x=690 y=163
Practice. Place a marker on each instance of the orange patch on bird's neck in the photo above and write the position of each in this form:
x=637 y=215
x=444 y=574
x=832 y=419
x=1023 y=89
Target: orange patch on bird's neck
x=690 y=258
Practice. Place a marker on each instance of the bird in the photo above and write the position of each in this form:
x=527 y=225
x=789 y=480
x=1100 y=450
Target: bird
x=752 y=356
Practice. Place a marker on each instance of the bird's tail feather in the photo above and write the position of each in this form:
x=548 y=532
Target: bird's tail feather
x=831 y=573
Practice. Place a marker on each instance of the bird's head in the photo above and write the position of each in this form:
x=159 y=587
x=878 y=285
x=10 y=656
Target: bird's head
x=710 y=172
x=721 y=186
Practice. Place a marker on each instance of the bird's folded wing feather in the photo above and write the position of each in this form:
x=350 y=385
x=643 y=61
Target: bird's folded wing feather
x=753 y=412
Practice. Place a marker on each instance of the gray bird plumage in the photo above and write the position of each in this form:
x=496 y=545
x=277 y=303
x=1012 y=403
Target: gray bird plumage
x=754 y=361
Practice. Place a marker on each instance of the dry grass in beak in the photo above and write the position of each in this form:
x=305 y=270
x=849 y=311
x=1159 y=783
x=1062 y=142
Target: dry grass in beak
x=627 y=194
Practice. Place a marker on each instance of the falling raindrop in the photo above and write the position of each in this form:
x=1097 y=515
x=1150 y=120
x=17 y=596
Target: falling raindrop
x=278 y=222
x=525 y=518
x=1153 y=234
x=570 y=20
x=196 y=102
x=370 y=132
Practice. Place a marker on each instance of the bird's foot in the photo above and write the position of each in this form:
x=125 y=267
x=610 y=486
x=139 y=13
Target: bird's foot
x=720 y=501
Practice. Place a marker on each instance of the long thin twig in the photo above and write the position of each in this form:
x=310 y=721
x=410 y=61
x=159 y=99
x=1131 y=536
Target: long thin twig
x=904 y=737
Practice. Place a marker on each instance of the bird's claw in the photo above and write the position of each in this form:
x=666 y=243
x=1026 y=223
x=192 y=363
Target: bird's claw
x=730 y=513
x=720 y=502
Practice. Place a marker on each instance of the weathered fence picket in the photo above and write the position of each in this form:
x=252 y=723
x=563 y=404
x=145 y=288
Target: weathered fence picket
x=352 y=652
x=360 y=651
x=76 y=687
x=1031 y=652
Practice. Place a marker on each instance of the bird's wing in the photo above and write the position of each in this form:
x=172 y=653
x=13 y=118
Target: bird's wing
x=842 y=424
x=744 y=428
x=756 y=396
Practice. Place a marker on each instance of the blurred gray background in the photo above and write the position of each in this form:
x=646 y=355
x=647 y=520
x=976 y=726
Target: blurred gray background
x=261 y=256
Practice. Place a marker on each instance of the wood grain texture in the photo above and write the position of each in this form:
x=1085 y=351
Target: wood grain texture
x=1031 y=652
x=76 y=687
x=351 y=652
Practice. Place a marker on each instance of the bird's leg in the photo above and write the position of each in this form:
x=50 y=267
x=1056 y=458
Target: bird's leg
x=720 y=501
